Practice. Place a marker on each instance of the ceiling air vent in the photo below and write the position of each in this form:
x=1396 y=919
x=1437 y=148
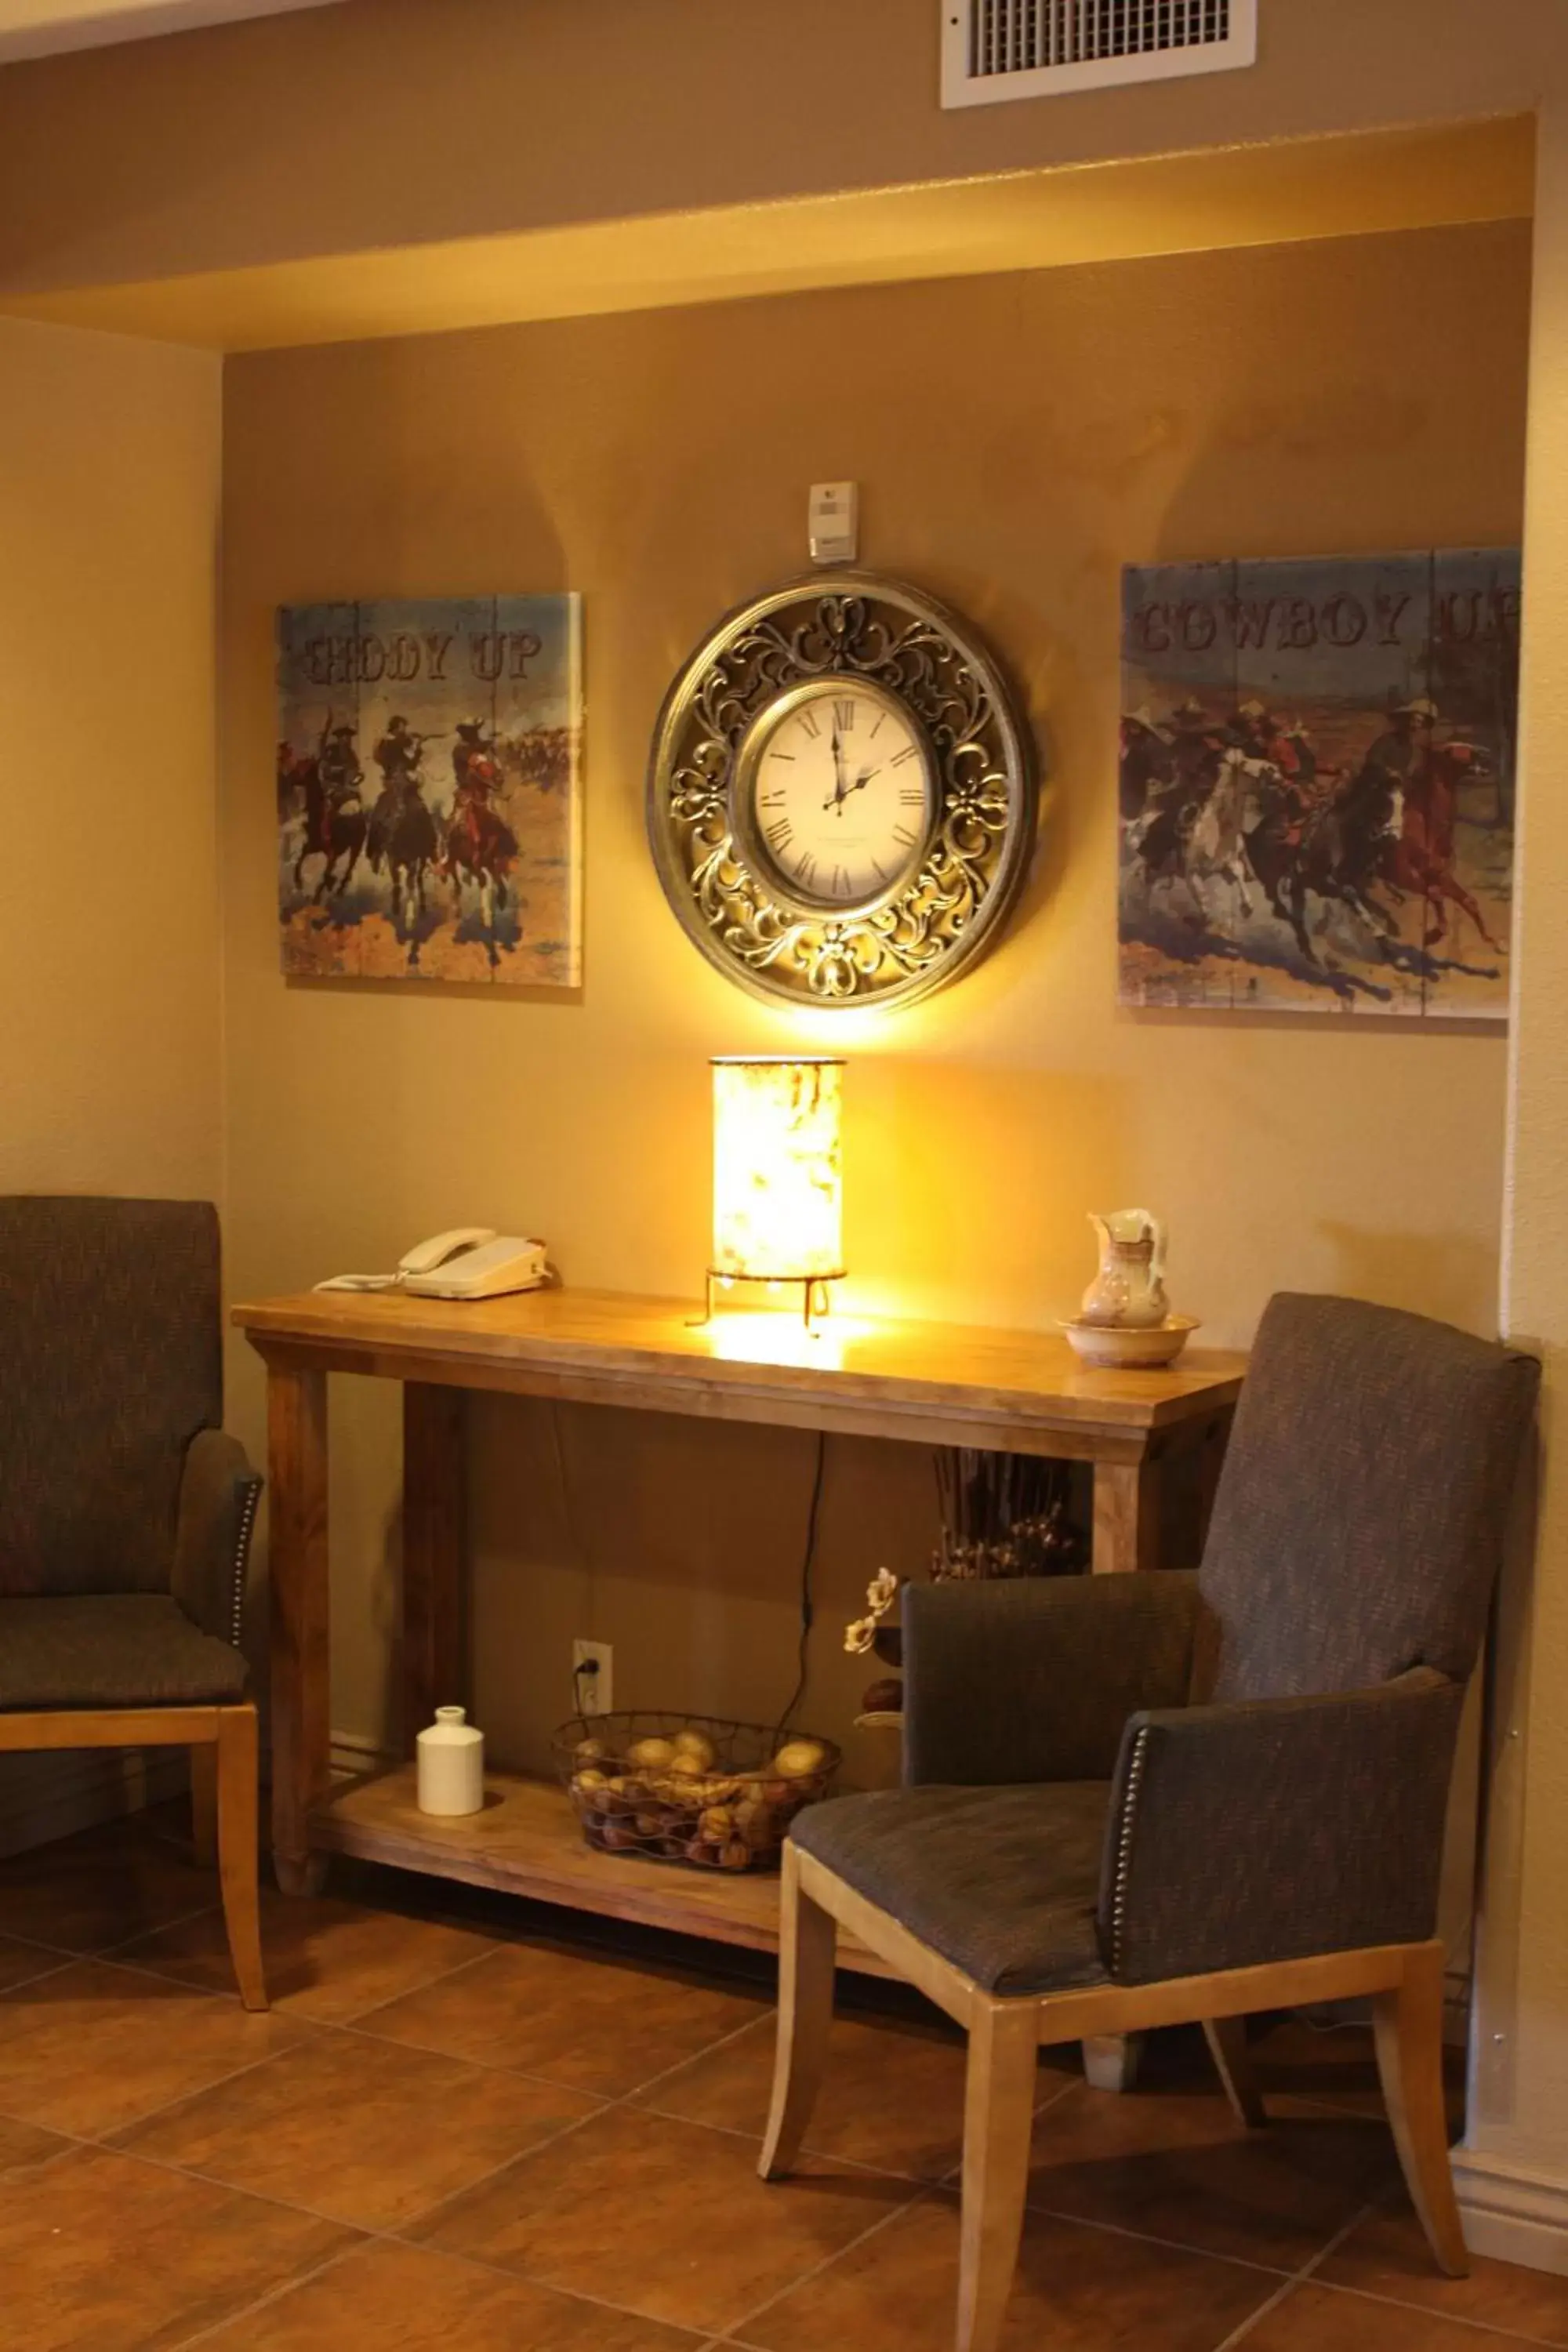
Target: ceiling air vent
x=1033 y=49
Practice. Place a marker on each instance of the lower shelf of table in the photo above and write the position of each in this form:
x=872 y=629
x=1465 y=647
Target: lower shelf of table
x=527 y=1841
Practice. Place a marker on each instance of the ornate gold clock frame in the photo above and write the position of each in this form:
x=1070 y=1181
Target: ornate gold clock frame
x=949 y=901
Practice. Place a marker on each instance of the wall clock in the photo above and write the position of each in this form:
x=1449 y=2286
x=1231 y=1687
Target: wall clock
x=841 y=794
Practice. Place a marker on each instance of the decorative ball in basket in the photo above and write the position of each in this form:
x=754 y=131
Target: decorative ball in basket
x=696 y=1789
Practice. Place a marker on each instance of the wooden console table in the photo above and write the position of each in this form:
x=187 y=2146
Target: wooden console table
x=932 y=1384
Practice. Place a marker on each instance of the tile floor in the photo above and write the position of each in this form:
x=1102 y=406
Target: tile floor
x=485 y=2128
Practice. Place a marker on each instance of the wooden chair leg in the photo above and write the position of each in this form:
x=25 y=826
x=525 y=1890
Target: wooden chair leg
x=807 y=1938
x=998 y=2115
x=238 y=1837
x=203 y=1801
x=1408 y=2028
x=1226 y=2039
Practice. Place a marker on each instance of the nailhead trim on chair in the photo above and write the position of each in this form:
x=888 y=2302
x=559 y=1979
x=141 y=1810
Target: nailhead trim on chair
x=1125 y=1846
x=247 y=1511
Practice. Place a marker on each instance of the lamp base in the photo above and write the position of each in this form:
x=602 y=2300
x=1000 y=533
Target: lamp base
x=816 y=1297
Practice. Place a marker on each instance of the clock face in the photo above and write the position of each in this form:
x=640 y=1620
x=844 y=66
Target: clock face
x=836 y=791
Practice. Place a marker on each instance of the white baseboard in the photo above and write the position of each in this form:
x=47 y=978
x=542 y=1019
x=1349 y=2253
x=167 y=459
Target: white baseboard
x=1511 y=2214
x=54 y=1793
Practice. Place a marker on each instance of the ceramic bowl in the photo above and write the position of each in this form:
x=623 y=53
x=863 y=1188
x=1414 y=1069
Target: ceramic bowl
x=1111 y=1348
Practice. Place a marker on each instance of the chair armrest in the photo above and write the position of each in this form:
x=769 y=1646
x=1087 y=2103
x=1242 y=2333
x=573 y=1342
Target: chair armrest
x=218 y=1495
x=1267 y=1830
x=1033 y=1678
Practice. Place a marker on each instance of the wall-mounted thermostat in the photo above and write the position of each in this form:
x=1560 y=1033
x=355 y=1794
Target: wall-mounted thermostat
x=835 y=522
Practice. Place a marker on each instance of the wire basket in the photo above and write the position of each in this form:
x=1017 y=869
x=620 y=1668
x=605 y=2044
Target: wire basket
x=693 y=1789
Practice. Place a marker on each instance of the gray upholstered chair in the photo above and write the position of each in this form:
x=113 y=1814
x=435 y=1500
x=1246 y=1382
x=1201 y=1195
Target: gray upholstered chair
x=1146 y=1799
x=126 y=1513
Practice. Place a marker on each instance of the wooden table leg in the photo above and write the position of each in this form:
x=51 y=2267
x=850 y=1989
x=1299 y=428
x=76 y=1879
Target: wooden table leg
x=297 y=1518
x=434 y=1650
x=1126 y=1516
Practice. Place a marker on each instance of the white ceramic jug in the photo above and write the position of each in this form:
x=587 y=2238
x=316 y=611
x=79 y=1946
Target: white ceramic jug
x=1129 y=1291
x=451 y=1768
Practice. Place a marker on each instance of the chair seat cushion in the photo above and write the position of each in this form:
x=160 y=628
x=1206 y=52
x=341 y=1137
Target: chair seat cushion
x=116 y=1649
x=1002 y=1882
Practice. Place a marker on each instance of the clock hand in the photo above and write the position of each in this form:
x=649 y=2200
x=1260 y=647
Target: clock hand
x=844 y=790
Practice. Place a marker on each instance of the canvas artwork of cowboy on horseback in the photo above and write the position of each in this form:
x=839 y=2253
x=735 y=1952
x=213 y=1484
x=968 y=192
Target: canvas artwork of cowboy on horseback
x=429 y=790
x=1316 y=785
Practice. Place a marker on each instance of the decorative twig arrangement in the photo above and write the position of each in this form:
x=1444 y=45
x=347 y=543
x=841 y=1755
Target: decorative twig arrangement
x=1003 y=1515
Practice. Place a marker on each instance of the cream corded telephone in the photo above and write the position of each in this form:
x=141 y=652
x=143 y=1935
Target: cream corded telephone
x=470 y=1261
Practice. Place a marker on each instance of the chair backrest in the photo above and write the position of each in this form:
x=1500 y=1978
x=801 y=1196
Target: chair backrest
x=1358 y=1524
x=110 y=1361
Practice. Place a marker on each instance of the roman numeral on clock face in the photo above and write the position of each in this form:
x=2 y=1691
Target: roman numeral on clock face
x=840 y=884
x=809 y=720
x=805 y=869
x=910 y=751
x=844 y=716
x=781 y=832
x=911 y=796
x=905 y=839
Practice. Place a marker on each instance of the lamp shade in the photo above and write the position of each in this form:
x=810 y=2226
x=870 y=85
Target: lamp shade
x=777 y=1187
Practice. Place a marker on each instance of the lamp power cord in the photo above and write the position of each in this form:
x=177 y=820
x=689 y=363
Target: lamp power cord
x=808 y=1564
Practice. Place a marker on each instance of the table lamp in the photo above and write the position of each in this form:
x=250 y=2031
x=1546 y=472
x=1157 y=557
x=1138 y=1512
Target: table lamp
x=778 y=1185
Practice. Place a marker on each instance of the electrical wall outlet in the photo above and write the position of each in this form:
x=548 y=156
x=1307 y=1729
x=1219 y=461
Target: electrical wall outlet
x=593 y=1676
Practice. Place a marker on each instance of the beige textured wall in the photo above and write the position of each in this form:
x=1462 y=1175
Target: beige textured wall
x=110 y=1062
x=383 y=123
x=1519 y=2114
x=110 y=1075
x=338 y=131
x=1017 y=439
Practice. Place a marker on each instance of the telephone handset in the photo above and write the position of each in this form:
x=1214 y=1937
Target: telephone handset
x=426 y=1257
x=469 y=1262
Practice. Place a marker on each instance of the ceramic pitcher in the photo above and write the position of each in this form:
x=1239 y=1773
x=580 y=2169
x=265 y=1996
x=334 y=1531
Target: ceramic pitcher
x=1129 y=1290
